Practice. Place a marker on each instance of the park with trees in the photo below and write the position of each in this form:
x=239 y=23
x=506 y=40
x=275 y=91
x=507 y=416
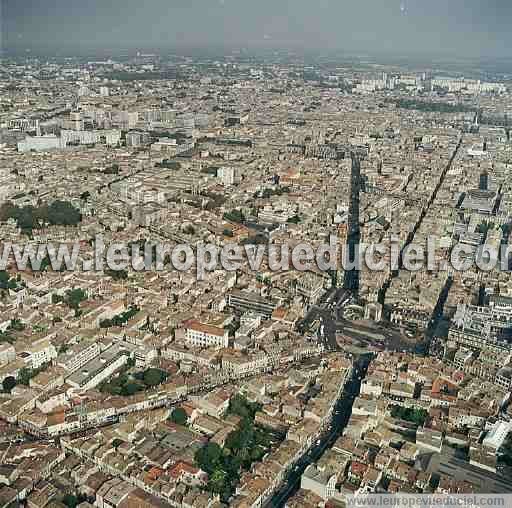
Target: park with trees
x=126 y=384
x=248 y=444
x=59 y=213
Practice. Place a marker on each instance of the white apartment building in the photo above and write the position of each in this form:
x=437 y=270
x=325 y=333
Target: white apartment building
x=245 y=365
x=200 y=335
x=98 y=369
x=143 y=354
x=127 y=119
x=321 y=483
x=372 y=387
x=462 y=358
x=228 y=175
x=430 y=439
x=177 y=353
x=41 y=144
x=471 y=86
x=40 y=353
x=110 y=137
x=78 y=356
x=497 y=435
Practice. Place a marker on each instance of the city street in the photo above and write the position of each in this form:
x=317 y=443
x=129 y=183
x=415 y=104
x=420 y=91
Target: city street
x=341 y=417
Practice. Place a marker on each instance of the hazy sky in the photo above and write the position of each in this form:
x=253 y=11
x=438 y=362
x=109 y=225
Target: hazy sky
x=464 y=27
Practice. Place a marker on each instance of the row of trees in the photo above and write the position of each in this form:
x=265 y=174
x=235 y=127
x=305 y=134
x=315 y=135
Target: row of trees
x=120 y=319
x=433 y=107
x=235 y=216
x=112 y=170
x=168 y=164
x=267 y=193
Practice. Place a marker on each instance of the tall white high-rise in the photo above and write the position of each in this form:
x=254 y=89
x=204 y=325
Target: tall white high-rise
x=228 y=175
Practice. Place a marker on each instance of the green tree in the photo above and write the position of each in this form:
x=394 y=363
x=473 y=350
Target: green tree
x=63 y=213
x=235 y=216
x=116 y=443
x=70 y=501
x=416 y=416
x=117 y=274
x=112 y=170
x=30 y=217
x=74 y=297
x=167 y=164
x=257 y=454
x=240 y=406
x=217 y=481
x=242 y=448
x=130 y=389
x=235 y=441
x=209 y=457
x=432 y=107
x=106 y=323
x=112 y=389
x=6 y=337
x=153 y=377
x=4 y=279
x=179 y=416
x=8 y=384
x=24 y=376
x=16 y=325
